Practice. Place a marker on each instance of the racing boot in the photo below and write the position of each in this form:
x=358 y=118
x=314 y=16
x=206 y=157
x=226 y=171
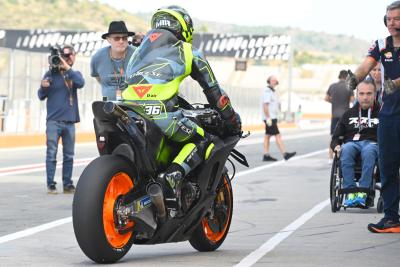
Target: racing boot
x=171 y=180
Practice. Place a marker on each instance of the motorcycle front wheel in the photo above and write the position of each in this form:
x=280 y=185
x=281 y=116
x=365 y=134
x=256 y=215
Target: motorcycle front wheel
x=214 y=227
x=95 y=223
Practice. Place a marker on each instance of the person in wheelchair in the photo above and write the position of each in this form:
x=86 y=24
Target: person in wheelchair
x=358 y=128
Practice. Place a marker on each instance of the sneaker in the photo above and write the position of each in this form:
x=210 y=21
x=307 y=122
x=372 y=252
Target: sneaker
x=360 y=199
x=385 y=226
x=52 y=189
x=288 y=155
x=350 y=200
x=267 y=157
x=69 y=189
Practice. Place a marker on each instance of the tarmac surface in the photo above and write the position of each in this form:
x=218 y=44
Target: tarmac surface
x=281 y=216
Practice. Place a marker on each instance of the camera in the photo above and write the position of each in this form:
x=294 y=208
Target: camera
x=54 y=59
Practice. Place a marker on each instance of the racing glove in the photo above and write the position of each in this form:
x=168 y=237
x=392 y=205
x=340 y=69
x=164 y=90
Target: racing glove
x=351 y=81
x=389 y=86
x=234 y=124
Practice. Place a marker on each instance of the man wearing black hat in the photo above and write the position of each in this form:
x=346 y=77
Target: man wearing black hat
x=109 y=63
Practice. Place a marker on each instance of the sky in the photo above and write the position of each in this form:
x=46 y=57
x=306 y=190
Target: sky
x=359 y=18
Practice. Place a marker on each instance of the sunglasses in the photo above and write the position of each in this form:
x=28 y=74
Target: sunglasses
x=118 y=38
x=67 y=55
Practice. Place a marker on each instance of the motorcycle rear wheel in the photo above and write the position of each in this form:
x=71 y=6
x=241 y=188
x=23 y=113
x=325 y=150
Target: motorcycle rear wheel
x=212 y=231
x=102 y=182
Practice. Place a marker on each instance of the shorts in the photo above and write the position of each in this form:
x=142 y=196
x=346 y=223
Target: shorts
x=334 y=122
x=273 y=129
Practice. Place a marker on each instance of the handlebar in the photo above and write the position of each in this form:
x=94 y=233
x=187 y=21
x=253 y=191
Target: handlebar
x=111 y=108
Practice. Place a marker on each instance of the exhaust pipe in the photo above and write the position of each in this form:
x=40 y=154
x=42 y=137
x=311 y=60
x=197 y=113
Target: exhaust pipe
x=157 y=198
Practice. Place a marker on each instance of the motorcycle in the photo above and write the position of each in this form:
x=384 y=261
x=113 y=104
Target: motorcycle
x=118 y=203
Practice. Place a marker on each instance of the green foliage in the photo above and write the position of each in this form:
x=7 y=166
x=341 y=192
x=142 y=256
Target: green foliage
x=64 y=15
x=313 y=57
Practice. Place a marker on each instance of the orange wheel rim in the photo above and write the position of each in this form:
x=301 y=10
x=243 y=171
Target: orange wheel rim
x=221 y=197
x=120 y=184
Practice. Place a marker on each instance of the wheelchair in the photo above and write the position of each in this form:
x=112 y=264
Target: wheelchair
x=338 y=193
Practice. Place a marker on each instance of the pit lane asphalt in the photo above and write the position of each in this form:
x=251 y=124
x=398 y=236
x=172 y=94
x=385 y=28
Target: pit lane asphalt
x=266 y=201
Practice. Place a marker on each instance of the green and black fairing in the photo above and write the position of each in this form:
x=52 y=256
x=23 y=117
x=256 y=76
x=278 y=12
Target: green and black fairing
x=150 y=144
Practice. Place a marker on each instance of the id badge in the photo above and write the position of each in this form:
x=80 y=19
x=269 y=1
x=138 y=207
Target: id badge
x=118 y=94
x=356 y=137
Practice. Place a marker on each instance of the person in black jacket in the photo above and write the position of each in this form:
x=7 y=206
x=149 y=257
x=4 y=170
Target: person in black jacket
x=358 y=127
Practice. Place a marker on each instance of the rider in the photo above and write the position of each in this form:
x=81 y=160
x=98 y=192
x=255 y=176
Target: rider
x=155 y=71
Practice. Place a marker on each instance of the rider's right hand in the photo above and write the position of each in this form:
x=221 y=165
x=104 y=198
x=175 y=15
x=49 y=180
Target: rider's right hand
x=234 y=124
x=351 y=81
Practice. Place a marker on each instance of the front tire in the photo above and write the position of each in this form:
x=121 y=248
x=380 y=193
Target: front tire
x=102 y=182
x=211 y=232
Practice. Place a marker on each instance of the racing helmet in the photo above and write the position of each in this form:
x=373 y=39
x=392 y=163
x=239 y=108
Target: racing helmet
x=174 y=19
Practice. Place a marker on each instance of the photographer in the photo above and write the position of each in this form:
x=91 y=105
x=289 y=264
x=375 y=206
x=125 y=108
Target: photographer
x=59 y=85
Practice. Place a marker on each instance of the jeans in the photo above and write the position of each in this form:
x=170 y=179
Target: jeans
x=389 y=163
x=55 y=130
x=369 y=156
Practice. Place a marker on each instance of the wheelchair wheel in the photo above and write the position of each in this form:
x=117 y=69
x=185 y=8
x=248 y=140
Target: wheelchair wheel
x=379 y=205
x=335 y=183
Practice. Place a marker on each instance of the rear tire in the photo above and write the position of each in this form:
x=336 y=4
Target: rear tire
x=335 y=206
x=211 y=233
x=93 y=209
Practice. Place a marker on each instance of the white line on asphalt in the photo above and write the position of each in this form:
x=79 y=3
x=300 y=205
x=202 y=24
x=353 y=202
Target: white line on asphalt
x=29 y=168
x=49 y=225
x=21 y=169
x=27 y=148
x=268 y=246
x=281 y=162
x=34 y=230
x=256 y=140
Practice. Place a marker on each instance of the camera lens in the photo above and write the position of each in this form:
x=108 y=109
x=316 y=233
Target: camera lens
x=55 y=60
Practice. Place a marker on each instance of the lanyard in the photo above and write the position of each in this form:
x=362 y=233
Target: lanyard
x=118 y=72
x=68 y=84
x=118 y=76
x=359 y=118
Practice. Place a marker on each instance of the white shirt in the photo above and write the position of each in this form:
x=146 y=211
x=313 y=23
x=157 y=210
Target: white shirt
x=271 y=98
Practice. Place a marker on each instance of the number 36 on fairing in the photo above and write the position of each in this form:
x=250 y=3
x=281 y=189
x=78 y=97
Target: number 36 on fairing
x=153 y=109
